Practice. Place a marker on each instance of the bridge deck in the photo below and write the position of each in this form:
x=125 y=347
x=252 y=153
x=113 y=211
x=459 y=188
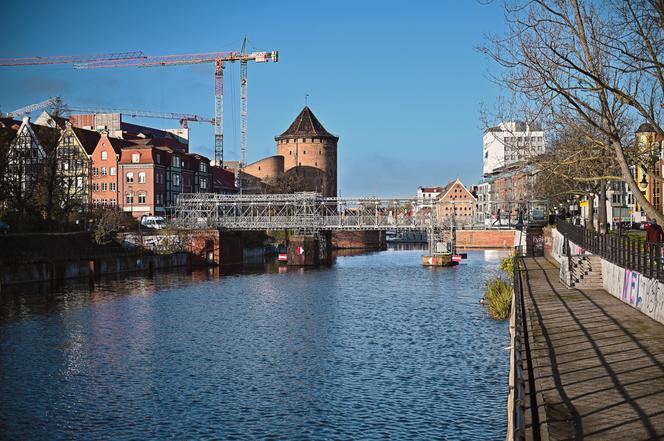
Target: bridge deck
x=598 y=364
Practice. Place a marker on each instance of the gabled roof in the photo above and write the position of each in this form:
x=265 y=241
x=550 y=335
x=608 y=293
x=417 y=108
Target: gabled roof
x=449 y=187
x=48 y=136
x=306 y=125
x=88 y=139
x=118 y=144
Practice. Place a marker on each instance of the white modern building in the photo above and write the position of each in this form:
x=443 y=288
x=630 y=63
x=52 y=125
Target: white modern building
x=509 y=143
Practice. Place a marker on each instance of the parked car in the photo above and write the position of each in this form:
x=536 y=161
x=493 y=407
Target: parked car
x=154 y=222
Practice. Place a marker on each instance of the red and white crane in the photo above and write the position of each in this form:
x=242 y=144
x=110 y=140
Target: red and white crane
x=138 y=59
x=218 y=58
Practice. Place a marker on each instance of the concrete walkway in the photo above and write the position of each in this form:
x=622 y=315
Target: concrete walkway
x=597 y=363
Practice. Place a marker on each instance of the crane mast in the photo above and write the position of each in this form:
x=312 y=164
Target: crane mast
x=218 y=58
x=138 y=59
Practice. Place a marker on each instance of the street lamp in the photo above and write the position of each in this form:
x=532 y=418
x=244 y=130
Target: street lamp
x=643 y=184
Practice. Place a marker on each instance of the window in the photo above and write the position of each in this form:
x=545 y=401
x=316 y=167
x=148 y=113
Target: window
x=95 y=171
x=158 y=195
x=130 y=177
x=104 y=155
x=135 y=157
x=141 y=198
x=95 y=187
x=113 y=202
x=203 y=167
x=112 y=186
x=176 y=180
x=159 y=158
x=113 y=171
x=203 y=183
x=304 y=152
x=104 y=186
x=103 y=171
x=104 y=202
x=79 y=182
x=129 y=198
x=141 y=177
x=175 y=162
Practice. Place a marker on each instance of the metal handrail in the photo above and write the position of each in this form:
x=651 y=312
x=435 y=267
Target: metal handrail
x=517 y=380
x=638 y=255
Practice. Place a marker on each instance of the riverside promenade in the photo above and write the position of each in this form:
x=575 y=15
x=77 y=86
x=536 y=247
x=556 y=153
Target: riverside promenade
x=595 y=365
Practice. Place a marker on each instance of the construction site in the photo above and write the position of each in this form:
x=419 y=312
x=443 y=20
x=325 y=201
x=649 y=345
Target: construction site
x=110 y=161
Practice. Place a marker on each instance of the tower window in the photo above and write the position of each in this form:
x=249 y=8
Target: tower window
x=316 y=164
x=304 y=152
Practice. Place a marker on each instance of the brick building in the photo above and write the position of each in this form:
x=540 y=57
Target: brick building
x=310 y=151
x=458 y=200
x=142 y=179
x=105 y=177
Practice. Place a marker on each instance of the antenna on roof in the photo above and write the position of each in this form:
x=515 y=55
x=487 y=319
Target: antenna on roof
x=306 y=99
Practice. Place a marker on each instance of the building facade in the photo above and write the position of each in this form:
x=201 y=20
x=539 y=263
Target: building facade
x=509 y=143
x=456 y=201
x=310 y=152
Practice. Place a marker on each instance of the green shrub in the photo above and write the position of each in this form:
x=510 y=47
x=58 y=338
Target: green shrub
x=498 y=298
x=507 y=265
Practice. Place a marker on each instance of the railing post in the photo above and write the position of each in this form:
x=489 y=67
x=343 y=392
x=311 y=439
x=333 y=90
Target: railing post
x=658 y=256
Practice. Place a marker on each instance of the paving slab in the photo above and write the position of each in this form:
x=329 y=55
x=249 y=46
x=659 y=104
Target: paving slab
x=598 y=364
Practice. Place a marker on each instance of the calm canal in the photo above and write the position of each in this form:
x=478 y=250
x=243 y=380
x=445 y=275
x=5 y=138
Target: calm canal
x=375 y=346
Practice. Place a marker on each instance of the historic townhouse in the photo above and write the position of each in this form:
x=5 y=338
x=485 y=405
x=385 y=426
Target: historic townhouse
x=457 y=200
x=73 y=165
x=202 y=173
x=26 y=155
x=142 y=179
x=105 y=177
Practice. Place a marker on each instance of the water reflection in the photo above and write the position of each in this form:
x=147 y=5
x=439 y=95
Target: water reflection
x=374 y=346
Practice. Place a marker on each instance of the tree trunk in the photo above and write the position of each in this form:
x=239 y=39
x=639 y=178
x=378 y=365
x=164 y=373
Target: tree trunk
x=601 y=207
x=590 y=223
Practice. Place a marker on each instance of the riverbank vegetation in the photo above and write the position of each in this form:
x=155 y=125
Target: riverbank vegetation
x=498 y=292
x=498 y=298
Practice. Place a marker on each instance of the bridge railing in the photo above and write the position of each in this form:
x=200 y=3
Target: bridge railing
x=301 y=210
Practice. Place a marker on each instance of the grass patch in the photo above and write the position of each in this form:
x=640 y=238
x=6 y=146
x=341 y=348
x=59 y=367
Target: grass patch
x=498 y=298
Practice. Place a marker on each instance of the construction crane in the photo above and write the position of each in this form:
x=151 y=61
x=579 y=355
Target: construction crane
x=56 y=101
x=218 y=58
x=51 y=102
x=71 y=59
x=184 y=118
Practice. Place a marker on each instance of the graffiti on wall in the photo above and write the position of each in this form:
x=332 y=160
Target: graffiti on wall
x=651 y=296
x=631 y=288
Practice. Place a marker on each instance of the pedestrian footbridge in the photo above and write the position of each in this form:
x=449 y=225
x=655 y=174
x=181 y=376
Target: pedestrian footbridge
x=304 y=212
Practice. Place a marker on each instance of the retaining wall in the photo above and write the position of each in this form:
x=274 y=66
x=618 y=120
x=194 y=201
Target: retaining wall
x=487 y=238
x=48 y=271
x=631 y=287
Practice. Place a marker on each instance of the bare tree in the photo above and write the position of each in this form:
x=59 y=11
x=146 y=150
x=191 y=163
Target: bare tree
x=565 y=59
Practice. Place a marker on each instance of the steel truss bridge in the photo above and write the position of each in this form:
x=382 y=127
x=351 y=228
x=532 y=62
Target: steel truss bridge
x=304 y=212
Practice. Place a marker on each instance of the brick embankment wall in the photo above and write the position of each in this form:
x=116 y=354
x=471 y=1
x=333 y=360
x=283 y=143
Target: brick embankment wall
x=486 y=238
x=367 y=240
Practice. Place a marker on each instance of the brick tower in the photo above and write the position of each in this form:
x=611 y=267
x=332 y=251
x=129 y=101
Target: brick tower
x=310 y=151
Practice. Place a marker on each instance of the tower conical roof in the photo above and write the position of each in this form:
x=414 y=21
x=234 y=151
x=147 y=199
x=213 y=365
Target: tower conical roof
x=306 y=125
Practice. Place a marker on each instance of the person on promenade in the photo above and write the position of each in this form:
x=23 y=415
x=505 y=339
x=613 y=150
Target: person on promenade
x=654 y=233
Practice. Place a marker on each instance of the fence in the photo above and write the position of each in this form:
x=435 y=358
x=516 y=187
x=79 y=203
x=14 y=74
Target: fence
x=517 y=381
x=637 y=255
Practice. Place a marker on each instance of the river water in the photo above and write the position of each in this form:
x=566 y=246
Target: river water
x=375 y=346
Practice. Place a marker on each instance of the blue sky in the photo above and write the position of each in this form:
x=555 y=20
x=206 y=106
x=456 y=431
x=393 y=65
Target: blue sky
x=401 y=83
